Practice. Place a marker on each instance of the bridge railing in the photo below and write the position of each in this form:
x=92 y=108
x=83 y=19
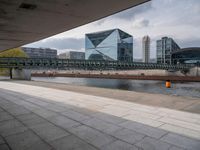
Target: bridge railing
x=34 y=63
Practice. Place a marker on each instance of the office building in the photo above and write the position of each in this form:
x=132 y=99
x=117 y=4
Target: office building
x=165 y=47
x=40 y=52
x=112 y=45
x=146 y=49
x=186 y=55
x=72 y=55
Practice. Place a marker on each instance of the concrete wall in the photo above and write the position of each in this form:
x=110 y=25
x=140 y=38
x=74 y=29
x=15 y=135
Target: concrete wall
x=21 y=74
x=193 y=72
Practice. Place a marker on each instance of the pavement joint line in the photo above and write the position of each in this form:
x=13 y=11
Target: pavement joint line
x=180 y=127
x=58 y=127
x=5 y=142
x=28 y=129
x=167 y=132
x=65 y=116
x=78 y=126
x=89 y=127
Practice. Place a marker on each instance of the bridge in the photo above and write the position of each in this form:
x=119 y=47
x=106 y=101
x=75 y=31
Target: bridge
x=47 y=63
x=20 y=68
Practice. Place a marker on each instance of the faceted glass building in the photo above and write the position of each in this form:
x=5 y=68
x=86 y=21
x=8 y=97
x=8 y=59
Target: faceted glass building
x=112 y=45
x=165 y=47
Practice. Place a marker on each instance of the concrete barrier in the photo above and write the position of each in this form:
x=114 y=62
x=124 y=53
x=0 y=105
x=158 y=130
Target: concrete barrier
x=21 y=74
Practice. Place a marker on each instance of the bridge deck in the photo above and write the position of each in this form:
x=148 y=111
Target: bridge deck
x=32 y=63
x=35 y=117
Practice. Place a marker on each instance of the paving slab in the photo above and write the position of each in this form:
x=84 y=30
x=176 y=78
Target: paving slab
x=71 y=142
x=1 y=140
x=119 y=145
x=101 y=125
x=26 y=141
x=176 y=148
x=61 y=118
x=75 y=115
x=180 y=123
x=55 y=108
x=11 y=127
x=181 y=141
x=153 y=144
x=180 y=130
x=63 y=122
x=8 y=105
x=109 y=118
x=144 y=120
x=49 y=132
x=1 y=110
x=144 y=129
x=32 y=121
x=18 y=111
x=5 y=116
x=44 y=113
x=92 y=136
x=4 y=147
x=128 y=136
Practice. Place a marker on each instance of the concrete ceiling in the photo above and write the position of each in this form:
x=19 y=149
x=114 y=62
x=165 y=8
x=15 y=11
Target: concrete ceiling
x=26 y=21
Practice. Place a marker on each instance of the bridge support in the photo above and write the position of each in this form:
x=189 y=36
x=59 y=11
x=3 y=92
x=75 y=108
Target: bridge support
x=20 y=74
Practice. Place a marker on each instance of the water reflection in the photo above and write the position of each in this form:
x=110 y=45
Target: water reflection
x=191 y=89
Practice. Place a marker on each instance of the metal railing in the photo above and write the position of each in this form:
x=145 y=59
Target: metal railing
x=47 y=63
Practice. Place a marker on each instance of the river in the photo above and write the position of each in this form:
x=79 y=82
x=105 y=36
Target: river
x=190 y=89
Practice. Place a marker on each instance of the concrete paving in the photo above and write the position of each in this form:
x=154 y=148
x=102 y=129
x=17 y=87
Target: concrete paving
x=183 y=103
x=33 y=117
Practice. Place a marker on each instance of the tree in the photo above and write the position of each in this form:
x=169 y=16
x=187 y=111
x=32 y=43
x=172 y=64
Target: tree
x=15 y=52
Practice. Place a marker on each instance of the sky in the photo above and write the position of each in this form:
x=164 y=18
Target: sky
x=178 y=19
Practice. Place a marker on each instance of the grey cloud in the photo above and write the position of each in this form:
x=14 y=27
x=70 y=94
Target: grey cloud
x=183 y=43
x=64 y=43
x=130 y=13
x=141 y=23
x=127 y=14
x=144 y=23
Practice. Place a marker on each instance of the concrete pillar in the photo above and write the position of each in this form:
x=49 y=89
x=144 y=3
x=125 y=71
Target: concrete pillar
x=21 y=74
x=194 y=71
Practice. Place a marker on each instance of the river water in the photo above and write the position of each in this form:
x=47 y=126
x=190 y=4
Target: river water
x=191 y=89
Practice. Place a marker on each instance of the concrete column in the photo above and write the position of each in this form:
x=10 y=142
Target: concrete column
x=194 y=71
x=21 y=74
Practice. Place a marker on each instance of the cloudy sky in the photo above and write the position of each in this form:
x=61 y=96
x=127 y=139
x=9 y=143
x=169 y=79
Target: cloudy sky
x=179 y=19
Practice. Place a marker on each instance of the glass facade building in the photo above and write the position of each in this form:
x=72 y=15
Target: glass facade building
x=186 y=55
x=165 y=47
x=112 y=45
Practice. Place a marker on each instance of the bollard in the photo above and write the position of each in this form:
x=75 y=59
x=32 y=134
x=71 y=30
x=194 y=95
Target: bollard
x=168 y=84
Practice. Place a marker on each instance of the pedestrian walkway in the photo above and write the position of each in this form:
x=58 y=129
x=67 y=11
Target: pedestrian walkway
x=39 y=118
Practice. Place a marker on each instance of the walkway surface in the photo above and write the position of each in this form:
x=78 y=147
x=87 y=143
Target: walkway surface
x=40 y=118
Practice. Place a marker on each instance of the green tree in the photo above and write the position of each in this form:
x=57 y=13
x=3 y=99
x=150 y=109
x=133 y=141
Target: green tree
x=15 y=52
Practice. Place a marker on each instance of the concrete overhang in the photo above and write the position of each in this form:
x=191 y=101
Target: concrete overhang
x=26 y=21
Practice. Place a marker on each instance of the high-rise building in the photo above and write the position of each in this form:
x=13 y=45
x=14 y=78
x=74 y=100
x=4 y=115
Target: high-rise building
x=146 y=49
x=113 y=45
x=40 y=52
x=164 y=48
x=72 y=55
